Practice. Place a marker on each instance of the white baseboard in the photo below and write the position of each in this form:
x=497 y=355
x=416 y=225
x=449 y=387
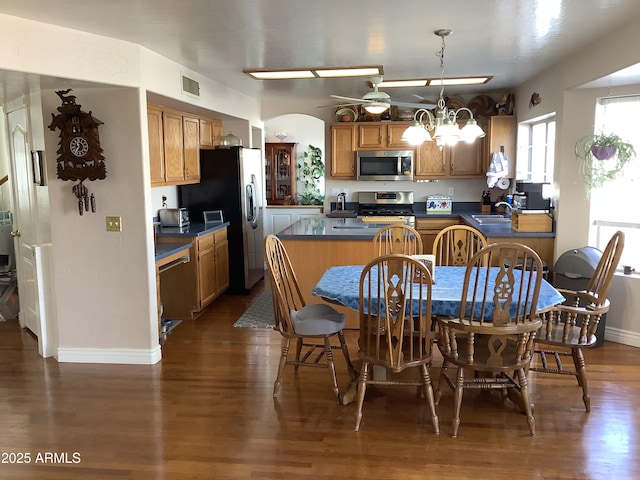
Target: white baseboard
x=116 y=356
x=624 y=337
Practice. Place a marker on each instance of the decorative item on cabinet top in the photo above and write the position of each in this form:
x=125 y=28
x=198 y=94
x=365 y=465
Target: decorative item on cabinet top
x=80 y=155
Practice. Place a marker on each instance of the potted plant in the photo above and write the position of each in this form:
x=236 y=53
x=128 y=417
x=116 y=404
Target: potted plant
x=602 y=158
x=310 y=171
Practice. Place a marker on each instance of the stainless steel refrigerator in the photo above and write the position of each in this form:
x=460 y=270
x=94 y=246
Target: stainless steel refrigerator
x=231 y=181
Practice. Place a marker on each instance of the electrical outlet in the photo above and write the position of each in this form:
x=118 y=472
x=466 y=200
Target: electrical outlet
x=451 y=191
x=114 y=224
x=345 y=191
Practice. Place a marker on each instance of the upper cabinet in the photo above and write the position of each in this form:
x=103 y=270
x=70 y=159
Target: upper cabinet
x=381 y=135
x=280 y=173
x=343 y=146
x=174 y=145
x=502 y=135
x=210 y=132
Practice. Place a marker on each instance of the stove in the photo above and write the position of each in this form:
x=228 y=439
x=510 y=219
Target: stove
x=386 y=204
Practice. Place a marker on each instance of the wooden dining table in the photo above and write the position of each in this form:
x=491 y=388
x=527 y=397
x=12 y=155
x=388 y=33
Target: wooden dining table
x=341 y=285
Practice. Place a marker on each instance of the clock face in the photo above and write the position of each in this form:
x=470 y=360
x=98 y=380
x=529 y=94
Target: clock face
x=78 y=146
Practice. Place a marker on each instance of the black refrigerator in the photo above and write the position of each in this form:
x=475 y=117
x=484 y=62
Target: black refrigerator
x=231 y=181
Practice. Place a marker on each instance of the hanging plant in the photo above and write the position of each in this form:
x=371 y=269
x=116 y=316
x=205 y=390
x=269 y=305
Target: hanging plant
x=602 y=158
x=311 y=170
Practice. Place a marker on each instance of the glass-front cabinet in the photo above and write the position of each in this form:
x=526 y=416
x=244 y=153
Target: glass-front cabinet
x=280 y=173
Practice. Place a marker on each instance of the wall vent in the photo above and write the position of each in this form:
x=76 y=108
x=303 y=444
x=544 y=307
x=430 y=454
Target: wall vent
x=190 y=86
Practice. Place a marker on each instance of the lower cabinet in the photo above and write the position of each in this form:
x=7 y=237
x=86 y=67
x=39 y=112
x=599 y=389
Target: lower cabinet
x=188 y=289
x=428 y=228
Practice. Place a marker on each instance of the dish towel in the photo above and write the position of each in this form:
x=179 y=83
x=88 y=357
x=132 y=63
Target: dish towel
x=498 y=168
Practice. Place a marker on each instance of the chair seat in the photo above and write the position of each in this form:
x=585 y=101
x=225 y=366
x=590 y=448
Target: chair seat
x=572 y=338
x=317 y=319
x=482 y=354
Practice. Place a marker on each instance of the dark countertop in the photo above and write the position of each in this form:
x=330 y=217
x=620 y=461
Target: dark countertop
x=355 y=229
x=167 y=249
x=193 y=230
x=164 y=250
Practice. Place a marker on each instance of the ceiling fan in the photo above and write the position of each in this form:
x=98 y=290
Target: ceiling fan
x=377 y=101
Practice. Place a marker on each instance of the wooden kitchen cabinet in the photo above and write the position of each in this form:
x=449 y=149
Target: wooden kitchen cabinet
x=343 y=146
x=191 y=148
x=210 y=132
x=174 y=143
x=463 y=160
x=502 y=134
x=280 y=173
x=428 y=228
x=156 y=146
x=213 y=266
x=381 y=135
x=190 y=288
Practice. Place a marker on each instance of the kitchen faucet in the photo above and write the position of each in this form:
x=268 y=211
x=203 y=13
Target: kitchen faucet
x=507 y=212
x=341 y=201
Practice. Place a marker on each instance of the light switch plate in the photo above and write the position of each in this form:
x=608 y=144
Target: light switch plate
x=114 y=224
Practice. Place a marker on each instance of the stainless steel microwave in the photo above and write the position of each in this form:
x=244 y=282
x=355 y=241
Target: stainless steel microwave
x=385 y=165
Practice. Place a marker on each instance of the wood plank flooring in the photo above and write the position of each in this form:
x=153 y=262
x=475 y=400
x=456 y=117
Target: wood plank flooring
x=206 y=412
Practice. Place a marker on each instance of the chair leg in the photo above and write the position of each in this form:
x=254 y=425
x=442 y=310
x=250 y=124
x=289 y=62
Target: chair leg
x=298 y=352
x=332 y=368
x=362 y=386
x=427 y=389
x=345 y=351
x=581 y=375
x=526 y=403
x=284 y=352
x=441 y=381
x=457 y=400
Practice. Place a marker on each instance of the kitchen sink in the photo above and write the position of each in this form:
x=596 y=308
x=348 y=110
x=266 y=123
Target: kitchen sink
x=491 y=219
x=351 y=227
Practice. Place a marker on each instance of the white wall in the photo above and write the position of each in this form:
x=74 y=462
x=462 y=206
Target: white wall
x=105 y=282
x=304 y=130
x=575 y=109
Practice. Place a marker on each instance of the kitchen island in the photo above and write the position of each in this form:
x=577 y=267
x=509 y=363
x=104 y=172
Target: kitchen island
x=315 y=244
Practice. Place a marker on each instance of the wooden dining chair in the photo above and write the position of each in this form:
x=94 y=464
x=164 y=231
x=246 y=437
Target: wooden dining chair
x=570 y=327
x=395 y=325
x=456 y=244
x=312 y=326
x=397 y=238
x=491 y=341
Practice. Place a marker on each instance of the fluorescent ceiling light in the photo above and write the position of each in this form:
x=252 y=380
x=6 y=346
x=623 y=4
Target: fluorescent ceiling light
x=459 y=81
x=315 y=72
x=279 y=74
x=348 y=72
x=404 y=83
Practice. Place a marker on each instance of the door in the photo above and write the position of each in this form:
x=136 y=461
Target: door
x=26 y=244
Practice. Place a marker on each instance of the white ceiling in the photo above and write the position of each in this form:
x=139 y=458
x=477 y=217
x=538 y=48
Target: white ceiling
x=509 y=39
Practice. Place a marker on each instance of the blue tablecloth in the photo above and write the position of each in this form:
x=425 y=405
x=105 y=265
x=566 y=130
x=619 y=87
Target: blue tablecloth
x=341 y=284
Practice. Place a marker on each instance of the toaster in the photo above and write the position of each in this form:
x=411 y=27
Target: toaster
x=173 y=217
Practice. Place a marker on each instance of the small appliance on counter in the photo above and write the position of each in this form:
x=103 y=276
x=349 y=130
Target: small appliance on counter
x=530 y=196
x=173 y=217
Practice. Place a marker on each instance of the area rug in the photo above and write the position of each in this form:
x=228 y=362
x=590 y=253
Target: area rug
x=259 y=314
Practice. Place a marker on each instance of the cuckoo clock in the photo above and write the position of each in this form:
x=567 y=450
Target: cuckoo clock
x=79 y=153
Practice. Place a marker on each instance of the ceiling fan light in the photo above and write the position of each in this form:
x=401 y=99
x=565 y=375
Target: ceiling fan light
x=376 y=108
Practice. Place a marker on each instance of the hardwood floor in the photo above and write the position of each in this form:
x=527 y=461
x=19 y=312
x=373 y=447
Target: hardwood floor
x=206 y=412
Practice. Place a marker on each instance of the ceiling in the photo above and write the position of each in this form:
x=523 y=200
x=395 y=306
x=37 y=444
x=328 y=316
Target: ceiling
x=511 y=40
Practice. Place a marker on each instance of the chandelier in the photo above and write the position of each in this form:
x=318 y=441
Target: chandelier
x=444 y=124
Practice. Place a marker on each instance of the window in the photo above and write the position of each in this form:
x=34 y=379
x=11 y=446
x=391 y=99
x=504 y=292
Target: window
x=536 y=148
x=614 y=206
